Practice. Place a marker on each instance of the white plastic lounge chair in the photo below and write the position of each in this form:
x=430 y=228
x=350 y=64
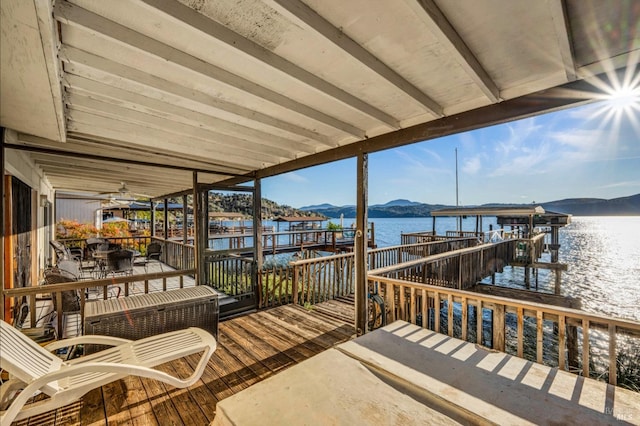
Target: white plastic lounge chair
x=34 y=369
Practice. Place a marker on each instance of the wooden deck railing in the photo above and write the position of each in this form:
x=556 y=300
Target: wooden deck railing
x=177 y=255
x=439 y=309
x=455 y=269
x=275 y=241
x=136 y=242
x=85 y=287
x=231 y=275
x=389 y=256
x=319 y=279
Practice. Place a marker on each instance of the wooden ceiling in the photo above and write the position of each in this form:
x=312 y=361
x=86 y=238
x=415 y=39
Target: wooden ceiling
x=257 y=87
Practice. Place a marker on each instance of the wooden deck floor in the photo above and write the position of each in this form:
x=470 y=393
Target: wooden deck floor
x=251 y=348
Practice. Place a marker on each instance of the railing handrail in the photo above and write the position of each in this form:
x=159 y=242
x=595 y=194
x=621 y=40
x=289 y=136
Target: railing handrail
x=372 y=251
x=425 y=244
x=76 y=285
x=436 y=257
x=514 y=303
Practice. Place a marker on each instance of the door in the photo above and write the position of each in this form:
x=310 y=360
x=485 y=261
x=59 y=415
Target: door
x=228 y=255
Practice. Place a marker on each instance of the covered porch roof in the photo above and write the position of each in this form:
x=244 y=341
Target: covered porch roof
x=147 y=92
x=489 y=211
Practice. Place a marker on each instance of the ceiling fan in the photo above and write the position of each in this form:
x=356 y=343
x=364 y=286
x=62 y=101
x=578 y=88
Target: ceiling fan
x=121 y=197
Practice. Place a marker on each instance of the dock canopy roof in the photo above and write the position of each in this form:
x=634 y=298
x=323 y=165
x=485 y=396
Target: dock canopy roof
x=226 y=215
x=148 y=92
x=290 y=219
x=488 y=211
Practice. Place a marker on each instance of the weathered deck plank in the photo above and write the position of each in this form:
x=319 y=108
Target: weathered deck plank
x=250 y=349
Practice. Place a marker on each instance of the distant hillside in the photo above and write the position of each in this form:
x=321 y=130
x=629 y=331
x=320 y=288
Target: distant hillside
x=624 y=206
x=242 y=203
x=409 y=210
x=397 y=203
x=318 y=207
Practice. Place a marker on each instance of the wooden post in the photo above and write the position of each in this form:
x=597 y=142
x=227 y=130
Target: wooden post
x=572 y=346
x=361 y=243
x=562 y=329
x=294 y=285
x=585 y=347
x=185 y=232
x=613 y=374
x=257 y=235
x=479 y=327
x=152 y=219
x=465 y=318
x=436 y=312
x=199 y=231
x=166 y=219
x=2 y=230
x=498 y=328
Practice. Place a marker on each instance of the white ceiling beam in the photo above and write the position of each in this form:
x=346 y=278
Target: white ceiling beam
x=83 y=103
x=109 y=178
x=73 y=15
x=108 y=148
x=222 y=34
x=558 y=13
x=102 y=167
x=307 y=16
x=63 y=182
x=104 y=92
x=96 y=68
x=50 y=47
x=438 y=24
x=152 y=138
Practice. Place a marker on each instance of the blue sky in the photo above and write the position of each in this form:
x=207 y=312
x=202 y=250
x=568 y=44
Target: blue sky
x=589 y=151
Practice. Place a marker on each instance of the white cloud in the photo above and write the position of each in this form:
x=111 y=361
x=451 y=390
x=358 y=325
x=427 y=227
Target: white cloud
x=625 y=184
x=295 y=177
x=415 y=164
x=433 y=154
x=472 y=165
x=579 y=138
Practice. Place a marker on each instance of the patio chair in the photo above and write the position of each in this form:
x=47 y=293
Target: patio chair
x=94 y=244
x=70 y=298
x=154 y=253
x=70 y=302
x=120 y=262
x=64 y=252
x=34 y=369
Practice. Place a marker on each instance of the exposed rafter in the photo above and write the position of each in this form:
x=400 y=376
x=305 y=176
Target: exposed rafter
x=214 y=139
x=73 y=15
x=220 y=34
x=559 y=16
x=311 y=19
x=437 y=23
x=103 y=148
x=106 y=93
x=148 y=137
x=95 y=68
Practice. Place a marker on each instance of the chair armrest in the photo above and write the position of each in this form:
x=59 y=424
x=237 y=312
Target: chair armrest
x=86 y=340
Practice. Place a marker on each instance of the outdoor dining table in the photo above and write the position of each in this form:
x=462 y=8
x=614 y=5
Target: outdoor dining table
x=102 y=266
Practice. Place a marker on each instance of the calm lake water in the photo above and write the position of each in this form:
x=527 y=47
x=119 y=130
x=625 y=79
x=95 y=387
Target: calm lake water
x=602 y=254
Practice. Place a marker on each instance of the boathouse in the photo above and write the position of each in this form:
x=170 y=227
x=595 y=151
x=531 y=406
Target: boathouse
x=180 y=98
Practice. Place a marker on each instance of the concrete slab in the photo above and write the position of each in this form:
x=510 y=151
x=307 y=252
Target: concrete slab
x=401 y=374
x=328 y=389
x=497 y=387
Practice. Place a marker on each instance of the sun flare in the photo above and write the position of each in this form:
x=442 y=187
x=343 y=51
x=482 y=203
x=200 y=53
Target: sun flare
x=624 y=99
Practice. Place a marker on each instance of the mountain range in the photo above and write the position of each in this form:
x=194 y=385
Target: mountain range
x=623 y=206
